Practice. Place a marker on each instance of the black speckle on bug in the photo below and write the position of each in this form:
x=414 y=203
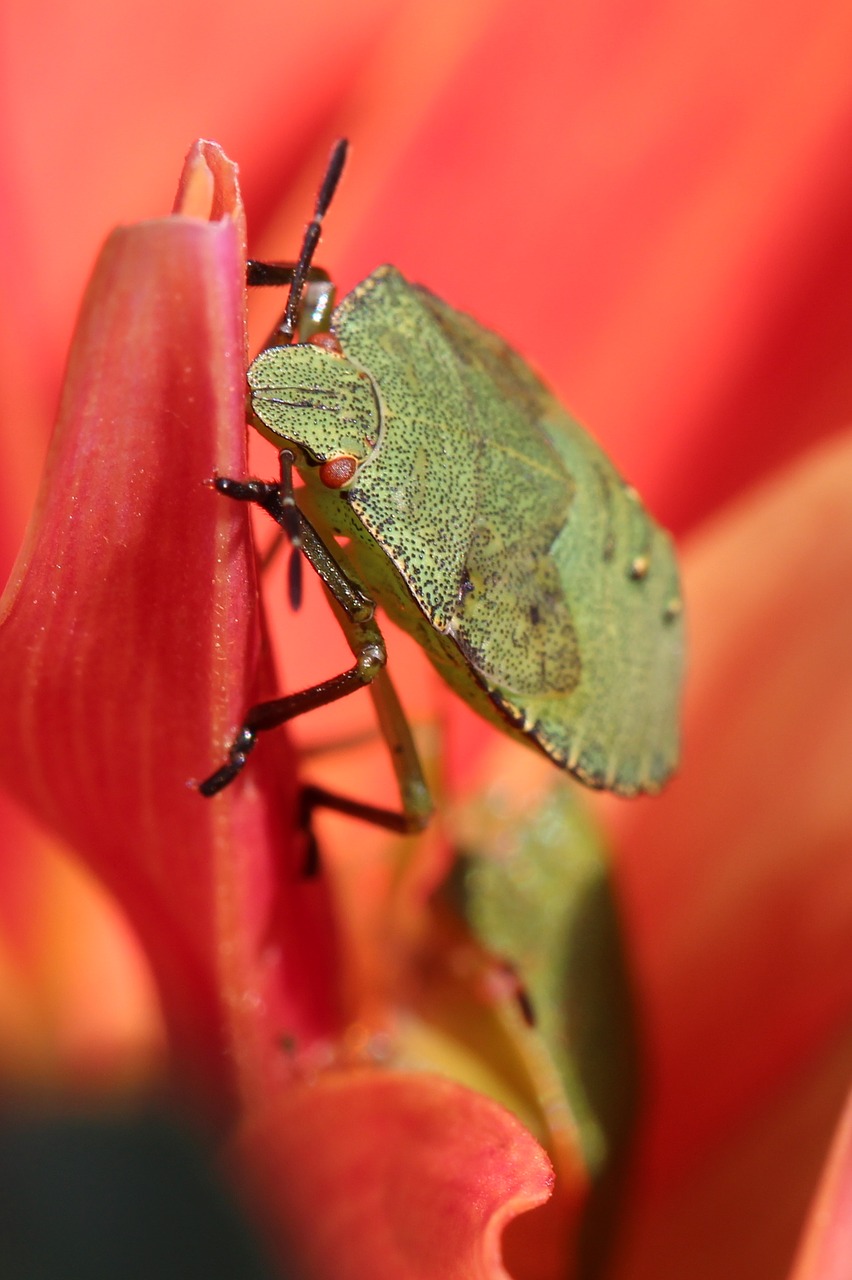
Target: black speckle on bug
x=465 y=586
x=673 y=610
x=639 y=567
x=608 y=548
x=535 y=615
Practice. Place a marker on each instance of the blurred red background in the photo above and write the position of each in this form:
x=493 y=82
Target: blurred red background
x=653 y=202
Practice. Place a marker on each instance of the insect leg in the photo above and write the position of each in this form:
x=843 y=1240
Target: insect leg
x=414 y=793
x=276 y=274
x=355 y=613
x=314 y=797
x=315 y=305
x=396 y=732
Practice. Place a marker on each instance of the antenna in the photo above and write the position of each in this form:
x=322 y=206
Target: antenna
x=336 y=161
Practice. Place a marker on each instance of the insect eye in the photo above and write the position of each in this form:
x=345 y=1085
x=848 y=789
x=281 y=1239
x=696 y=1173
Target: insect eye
x=337 y=472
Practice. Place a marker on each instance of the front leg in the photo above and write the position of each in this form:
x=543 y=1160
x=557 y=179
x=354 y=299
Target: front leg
x=355 y=614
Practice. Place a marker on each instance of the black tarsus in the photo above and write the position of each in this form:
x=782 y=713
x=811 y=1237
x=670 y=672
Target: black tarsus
x=275 y=275
x=271 y=714
x=238 y=753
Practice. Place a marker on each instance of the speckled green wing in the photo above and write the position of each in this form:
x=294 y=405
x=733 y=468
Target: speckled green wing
x=618 y=575
x=518 y=539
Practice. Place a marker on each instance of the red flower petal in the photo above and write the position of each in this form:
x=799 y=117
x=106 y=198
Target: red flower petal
x=372 y=1176
x=735 y=879
x=738 y=1210
x=131 y=610
x=826 y=1252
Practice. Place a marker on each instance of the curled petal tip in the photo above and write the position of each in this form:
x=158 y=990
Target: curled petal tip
x=209 y=187
x=383 y=1175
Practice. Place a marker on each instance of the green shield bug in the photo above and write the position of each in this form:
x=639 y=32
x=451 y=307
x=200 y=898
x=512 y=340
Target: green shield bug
x=479 y=516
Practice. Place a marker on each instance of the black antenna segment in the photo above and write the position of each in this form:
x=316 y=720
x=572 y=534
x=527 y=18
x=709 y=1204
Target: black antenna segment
x=336 y=161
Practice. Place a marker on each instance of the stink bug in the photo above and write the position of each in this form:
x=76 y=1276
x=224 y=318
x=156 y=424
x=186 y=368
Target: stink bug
x=481 y=518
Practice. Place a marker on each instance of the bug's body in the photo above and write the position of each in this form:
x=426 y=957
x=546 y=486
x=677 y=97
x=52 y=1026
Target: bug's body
x=489 y=525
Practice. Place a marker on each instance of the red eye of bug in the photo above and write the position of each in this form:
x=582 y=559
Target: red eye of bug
x=337 y=472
